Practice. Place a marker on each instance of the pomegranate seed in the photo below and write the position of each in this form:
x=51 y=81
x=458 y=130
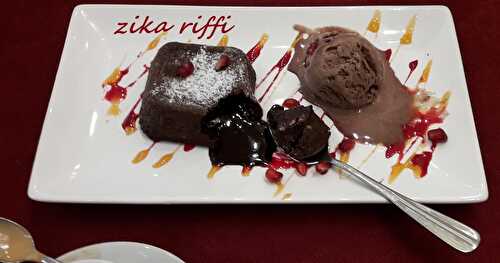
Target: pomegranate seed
x=273 y=176
x=188 y=147
x=388 y=54
x=323 y=167
x=185 y=70
x=301 y=169
x=437 y=136
x=222 y=63
x=291 y=103
x=422 y=160
x=347 y=145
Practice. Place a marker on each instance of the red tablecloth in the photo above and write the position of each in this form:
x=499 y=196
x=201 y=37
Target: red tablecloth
x=31 y=45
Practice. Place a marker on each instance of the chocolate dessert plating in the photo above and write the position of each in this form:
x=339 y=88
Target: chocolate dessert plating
x=350 y=79
x=185 y=81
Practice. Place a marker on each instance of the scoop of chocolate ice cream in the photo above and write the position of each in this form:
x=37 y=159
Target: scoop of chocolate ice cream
x=350 y=79
x=343 y=66
x=299 y=132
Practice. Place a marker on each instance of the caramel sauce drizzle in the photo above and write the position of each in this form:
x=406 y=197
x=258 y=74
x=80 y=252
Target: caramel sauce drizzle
x=407 y=37
x=281 y=186
x=374 y=24
x=286 y=196
x=223 y=41
x=140 y=156
x=425 y=74
x=398 y=168
x=245 y=171
x=213 y=171
x=114 y=77
x=166 y=158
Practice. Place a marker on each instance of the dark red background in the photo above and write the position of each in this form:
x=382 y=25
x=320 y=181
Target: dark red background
x=33 y=34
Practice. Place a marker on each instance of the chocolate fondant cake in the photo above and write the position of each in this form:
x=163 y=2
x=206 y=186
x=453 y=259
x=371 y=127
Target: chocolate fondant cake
x=185 y=82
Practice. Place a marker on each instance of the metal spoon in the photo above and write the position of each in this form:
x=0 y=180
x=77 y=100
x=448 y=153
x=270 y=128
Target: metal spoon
x=454 y=233
x=17 y=245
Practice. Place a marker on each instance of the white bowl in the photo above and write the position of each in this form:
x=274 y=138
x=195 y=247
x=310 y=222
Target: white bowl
x=119 y=252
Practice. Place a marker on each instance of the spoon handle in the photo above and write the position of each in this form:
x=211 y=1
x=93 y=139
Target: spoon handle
x=46 y=259
x=456 y=234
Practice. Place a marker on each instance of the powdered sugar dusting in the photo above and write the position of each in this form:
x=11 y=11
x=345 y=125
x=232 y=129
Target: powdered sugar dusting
x=205 y=86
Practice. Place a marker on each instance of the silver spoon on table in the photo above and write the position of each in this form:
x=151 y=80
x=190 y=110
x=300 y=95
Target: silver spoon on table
x=17 y=245
x=454 y=233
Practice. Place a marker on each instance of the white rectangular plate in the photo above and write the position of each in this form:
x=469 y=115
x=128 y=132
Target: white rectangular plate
x=84 y=155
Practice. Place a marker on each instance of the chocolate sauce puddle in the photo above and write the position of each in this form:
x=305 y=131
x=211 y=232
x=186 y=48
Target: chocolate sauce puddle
x=238 y=134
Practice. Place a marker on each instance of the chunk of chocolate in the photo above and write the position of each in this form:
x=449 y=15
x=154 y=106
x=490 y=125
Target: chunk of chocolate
x=299 y=132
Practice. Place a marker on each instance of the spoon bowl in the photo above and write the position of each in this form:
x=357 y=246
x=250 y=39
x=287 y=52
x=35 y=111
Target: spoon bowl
x=17 y=244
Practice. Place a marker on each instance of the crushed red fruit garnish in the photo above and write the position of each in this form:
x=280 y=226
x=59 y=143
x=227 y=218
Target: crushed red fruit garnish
x=323 y=167
x=422 y=161
x=222 y=63
x=185 y=70
x=437 y=136
x=273 y=176
x=346 y=145
x=301 y=169
x=290 y=103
